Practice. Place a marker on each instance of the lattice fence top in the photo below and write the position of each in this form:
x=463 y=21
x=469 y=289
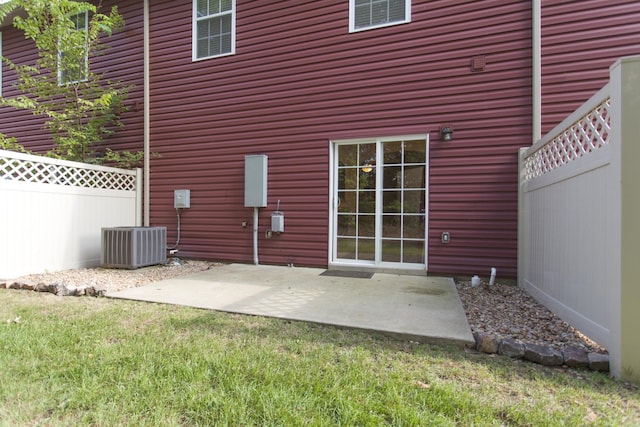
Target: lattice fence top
x=27 y=168
x=585 y=136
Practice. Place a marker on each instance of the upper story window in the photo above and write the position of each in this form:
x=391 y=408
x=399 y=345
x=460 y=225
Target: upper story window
x=214 y=28
x=73 y=60
x=367 y=14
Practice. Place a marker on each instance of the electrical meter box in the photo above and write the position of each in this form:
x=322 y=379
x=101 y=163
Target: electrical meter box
x=181 y=199
x=255 y=181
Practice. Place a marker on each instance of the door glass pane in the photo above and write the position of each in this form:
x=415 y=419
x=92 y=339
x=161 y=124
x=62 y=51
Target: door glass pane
x=367 y=249
x=347 y=178
x=347 y=155
x=346 y=225
x=413 y=201
x=413 y=251
x=392 y=152
x=366 y=225
x=348 y=201
x=367 y=179
x=346 y=248
x=391 y=226
x=392 y=177
x=414 y=176
x=413 y=227
x=415 y=151
x=392 y=201
x=391 y=251
x=367 y=202
x=367 y=154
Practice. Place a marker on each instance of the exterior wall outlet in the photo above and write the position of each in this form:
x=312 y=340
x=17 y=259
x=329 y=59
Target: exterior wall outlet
x=446 y=237
x=181 y=199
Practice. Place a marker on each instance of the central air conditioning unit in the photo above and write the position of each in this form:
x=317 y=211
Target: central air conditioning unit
x=133 y=247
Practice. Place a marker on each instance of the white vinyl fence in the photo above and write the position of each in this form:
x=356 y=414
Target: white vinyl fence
x=52 y=211
x=579 y=194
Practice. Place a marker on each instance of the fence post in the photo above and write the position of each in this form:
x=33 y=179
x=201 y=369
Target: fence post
x=522 y=218
x=139 y=196
x=625 y=128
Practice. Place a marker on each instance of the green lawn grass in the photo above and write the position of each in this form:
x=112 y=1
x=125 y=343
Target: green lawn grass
x=101 y=362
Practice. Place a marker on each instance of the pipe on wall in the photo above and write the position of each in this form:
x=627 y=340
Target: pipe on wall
x=146 y=131
x=536 y=80
x=255 y=236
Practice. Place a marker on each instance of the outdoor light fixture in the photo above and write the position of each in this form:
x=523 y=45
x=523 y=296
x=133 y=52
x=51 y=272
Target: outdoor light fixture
x=446 y=132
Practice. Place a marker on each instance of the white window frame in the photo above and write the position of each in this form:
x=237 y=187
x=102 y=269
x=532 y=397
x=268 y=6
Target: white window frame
x=352 y=18
x=84 y=78
x=334 y=204
x=194 y=35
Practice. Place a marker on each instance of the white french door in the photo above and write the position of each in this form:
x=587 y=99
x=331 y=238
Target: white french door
x=380 y=202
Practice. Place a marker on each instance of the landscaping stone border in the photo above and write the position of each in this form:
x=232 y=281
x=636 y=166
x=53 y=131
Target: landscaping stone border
x=60 y=289
x=541 y=354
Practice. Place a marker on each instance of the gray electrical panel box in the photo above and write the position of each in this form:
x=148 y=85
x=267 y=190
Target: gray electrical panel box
x=255 y=181
x=181 y=199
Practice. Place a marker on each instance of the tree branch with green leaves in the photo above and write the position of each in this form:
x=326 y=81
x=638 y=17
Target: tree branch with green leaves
x=80 y=108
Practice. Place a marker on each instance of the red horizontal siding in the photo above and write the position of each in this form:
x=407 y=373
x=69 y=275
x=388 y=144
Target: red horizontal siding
x=299 y=80
x=20 y=124
x=123 y=61
x=580 y=40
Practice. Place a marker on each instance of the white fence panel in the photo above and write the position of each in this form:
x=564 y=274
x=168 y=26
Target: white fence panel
x=568 y=267
x=566 y=206
x=52 y=212
x=578 y=229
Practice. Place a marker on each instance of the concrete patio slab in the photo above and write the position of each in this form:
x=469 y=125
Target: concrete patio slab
x=421 y=308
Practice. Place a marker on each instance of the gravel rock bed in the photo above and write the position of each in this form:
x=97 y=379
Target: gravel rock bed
x=113 y=280
x=502 y=311
x=506 y=311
